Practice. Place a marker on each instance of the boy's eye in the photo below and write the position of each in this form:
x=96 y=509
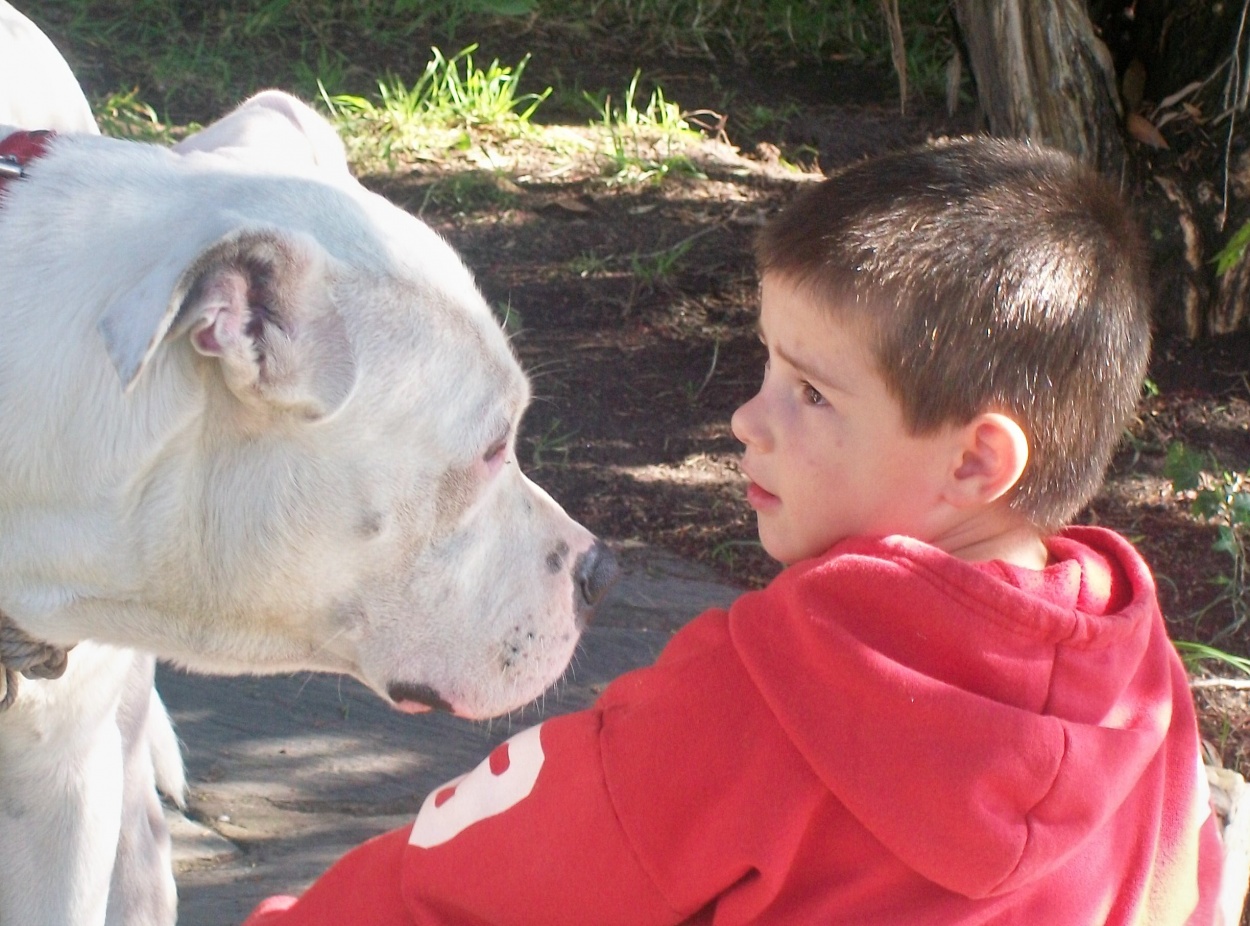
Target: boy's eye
x=811 y=395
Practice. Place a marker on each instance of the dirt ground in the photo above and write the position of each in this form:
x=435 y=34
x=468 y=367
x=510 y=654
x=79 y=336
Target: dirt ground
x=632 y=304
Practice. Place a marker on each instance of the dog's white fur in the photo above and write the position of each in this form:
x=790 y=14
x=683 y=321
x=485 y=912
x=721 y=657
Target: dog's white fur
x=252 y=418
x=49 y=96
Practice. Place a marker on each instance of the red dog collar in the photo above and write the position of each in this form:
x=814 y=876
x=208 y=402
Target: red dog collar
x=18 y=150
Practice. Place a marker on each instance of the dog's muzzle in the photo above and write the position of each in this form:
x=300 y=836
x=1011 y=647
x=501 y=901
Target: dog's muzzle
x=594 y=572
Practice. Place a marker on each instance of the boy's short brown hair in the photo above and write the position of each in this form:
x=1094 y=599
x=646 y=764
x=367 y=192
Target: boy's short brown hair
x=991 y=275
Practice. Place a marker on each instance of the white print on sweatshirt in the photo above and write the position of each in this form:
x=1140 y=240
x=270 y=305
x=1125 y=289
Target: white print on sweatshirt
x=499 y=783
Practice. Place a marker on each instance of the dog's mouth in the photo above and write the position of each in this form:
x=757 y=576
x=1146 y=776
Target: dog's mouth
x=417 y=699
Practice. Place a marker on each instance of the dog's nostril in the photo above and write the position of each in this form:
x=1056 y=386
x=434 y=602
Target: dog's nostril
x=594 y=573
x=402 y=692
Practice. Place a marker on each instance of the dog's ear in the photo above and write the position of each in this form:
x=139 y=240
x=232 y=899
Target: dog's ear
x=136 y=321
x=258 y=300
x=272 y=128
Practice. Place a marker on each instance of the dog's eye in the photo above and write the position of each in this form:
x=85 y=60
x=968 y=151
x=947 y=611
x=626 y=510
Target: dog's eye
x=496 y=454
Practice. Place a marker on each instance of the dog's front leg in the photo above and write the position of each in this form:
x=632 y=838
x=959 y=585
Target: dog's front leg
x=61 y=792
x=143 y=891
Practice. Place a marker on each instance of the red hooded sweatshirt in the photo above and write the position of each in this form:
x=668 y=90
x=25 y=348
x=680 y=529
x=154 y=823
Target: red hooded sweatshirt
x=884 y=735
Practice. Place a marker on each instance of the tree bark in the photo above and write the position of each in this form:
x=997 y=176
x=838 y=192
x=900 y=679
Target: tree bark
x=1041 y=72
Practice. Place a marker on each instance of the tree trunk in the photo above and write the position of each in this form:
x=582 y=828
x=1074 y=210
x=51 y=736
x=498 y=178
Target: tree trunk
x=1042 y=73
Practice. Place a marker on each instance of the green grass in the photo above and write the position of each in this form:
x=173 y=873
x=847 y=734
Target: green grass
x=153 y=69
x=644 y=142
x=196 y=60
x=1219 y=496
x=589 y=265
x=124 y=115
x=1199 y=655
x=191 y=62
x=450 y=105
x=810 y=30
x=654 y=269
x=551 y=448
x=469 y=191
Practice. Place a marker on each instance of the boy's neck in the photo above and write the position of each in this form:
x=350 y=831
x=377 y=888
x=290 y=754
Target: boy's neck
x=997 y=538
x=1024 y=549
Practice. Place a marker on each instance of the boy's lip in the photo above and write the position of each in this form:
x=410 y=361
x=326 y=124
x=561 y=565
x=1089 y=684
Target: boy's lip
x=760 y=498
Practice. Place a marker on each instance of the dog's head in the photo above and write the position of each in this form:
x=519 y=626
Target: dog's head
x=349 y=499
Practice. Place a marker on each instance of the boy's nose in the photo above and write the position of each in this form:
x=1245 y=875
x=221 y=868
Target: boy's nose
x=745 y=422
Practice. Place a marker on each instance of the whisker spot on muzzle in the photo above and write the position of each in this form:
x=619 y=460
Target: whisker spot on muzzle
x=555 y=559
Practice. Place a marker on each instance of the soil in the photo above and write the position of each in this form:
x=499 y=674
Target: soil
x=632 y=305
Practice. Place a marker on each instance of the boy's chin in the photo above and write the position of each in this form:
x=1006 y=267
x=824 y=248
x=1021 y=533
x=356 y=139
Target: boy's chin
x=788 y=550
x=782 y=549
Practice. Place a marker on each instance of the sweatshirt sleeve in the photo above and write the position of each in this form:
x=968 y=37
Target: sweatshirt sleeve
x=645 y=810
x=529 y=836
x=361 y=887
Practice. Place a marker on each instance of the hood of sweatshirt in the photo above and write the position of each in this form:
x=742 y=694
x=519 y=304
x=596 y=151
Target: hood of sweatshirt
x=1011 y=710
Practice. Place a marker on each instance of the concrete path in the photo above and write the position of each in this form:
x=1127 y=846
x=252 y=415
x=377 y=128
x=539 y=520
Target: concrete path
x=288 y=773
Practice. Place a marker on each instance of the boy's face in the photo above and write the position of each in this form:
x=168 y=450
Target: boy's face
x=827 y=452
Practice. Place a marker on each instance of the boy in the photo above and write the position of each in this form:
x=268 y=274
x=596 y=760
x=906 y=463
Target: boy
x=948 y=709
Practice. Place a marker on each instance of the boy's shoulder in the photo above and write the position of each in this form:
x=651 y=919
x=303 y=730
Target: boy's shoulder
x=897 y=590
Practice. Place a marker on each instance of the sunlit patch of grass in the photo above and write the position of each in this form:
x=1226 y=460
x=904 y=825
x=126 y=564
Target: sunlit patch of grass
x=124 y=115
x=454 y=105
x=645 y=142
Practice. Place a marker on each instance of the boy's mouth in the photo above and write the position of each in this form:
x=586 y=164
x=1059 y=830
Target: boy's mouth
x=760 y=498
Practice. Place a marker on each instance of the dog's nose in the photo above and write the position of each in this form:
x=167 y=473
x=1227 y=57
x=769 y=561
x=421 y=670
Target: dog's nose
x=594 y=573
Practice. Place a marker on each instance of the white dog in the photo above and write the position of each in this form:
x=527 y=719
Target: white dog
x=252 y=418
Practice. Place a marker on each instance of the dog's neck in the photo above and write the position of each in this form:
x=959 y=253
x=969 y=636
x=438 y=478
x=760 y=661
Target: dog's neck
x=18 y=652
x=18 y=150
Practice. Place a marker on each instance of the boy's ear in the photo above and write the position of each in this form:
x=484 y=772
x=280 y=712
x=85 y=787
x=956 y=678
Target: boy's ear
x=992 y=452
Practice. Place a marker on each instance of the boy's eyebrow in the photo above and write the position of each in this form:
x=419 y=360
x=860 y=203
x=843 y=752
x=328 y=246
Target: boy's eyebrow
x=808 y=370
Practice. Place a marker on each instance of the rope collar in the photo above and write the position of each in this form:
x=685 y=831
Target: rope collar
x=20 y=655
x=18 y=150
